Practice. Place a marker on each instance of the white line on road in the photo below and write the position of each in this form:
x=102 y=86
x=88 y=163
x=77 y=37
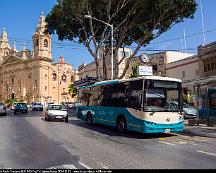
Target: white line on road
x=204 y=152
x=63 y=167
x=84 y=165
x=167 y=143
x=103 y=166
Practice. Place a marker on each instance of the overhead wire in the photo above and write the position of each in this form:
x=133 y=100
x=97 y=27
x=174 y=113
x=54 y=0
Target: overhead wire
x=72 y=45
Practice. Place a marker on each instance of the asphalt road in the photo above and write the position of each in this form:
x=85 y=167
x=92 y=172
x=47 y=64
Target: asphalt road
x=28 y=141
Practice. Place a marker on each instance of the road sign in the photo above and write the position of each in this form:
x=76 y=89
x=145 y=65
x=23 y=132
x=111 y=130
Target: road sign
x=145 y=71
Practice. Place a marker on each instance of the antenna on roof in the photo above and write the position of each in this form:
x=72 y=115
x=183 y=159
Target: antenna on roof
x=185 y=45
x=203 y=29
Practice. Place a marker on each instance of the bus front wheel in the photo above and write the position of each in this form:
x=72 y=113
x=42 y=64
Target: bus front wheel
x=121 y=124
x=89 y=118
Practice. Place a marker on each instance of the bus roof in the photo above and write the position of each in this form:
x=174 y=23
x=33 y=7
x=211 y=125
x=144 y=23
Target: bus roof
x=132 y=79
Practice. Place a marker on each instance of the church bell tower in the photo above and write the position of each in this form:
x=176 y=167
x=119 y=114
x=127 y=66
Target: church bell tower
x=41 y=41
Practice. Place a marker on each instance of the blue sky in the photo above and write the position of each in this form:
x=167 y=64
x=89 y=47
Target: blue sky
x=20 y=18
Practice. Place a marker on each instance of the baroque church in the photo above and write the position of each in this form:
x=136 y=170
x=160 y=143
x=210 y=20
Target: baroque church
x=32 y=75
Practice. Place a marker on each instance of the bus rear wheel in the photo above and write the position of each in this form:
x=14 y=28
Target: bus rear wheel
x=89 y=118
x=121 y=124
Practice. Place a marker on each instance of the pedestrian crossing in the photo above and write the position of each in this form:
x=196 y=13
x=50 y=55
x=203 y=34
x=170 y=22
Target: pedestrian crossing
x=182 y=140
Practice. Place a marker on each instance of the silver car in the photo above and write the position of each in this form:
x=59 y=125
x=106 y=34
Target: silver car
x=189 y=111
x=3 y=109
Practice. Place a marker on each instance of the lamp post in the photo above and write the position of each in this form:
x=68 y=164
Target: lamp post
x=110 y=25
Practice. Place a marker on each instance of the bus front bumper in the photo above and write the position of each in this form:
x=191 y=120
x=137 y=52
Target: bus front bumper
x=150 y=127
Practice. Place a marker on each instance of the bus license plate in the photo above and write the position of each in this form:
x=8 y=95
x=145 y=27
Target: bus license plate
x=167 y=130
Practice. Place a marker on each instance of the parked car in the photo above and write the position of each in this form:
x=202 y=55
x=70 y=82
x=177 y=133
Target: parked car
x=3 y=109
x=13 y=105
x=189 y=111
x=21 y=107
x=37 y=106
x=56 y=111
x=69 y=105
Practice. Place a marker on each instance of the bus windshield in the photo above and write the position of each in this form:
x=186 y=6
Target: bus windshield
x=160 y=94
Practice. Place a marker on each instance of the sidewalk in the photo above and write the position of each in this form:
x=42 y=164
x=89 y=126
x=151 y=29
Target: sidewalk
x=199 y=130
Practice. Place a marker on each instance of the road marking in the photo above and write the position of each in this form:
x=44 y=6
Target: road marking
x=181 y=142
x=162 y=138
x=63 y=167
x=84 y=165
x=204 y=152
x=103 y=166
x=167 y=143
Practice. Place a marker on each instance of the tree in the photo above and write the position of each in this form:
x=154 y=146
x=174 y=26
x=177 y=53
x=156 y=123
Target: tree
x=134 y=70
x=72 y=90
x=10 y=101
x=135 y=22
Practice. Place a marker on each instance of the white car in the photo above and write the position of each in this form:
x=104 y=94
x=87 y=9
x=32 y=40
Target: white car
x=56 y=111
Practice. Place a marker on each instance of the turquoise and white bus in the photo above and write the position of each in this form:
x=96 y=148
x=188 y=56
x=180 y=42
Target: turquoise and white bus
x=139 y=104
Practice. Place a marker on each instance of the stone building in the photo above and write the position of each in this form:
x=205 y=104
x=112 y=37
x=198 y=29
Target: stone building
x=89 y=69
x=31 y=75
x=187 y=70
x=207 y=63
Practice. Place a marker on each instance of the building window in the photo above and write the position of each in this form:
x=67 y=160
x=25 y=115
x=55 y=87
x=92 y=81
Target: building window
x=183 y=74
x=45 y=43
x=37 y=42
x=72 y=78
x=197 y=72
x=35 y=84
x=54 y=76
x=205 y=68
x=212 y=66
x=45 y=88
x=12 y=81
x=64 y=78
x=209 y=65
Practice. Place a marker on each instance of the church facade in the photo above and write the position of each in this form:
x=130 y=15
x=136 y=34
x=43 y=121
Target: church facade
x=31 y=75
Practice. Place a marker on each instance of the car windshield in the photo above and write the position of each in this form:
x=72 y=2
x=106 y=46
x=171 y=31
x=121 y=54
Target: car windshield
x=1 y=105
x=186 y=106
x=159 y=94
x=21 y=105
x=37 y=103
x=56 y=107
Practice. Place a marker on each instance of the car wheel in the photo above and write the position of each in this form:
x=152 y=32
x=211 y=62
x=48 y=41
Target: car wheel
x=66 y=119
x=15 y=112
x=89 y=118
x=121 y=124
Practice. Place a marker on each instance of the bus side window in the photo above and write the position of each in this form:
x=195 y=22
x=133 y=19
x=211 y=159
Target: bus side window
x=120 y=95
x=135 y=94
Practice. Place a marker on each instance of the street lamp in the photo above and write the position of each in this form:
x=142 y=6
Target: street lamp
x=110 y=25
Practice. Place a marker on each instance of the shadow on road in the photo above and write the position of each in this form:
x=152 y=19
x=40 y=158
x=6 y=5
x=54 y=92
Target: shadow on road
x=111 y=131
